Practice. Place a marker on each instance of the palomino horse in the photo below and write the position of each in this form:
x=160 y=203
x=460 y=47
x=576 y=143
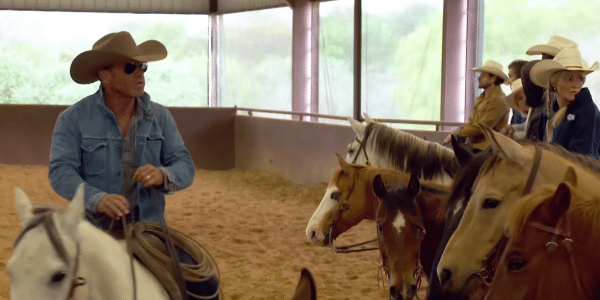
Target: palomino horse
x=403 y=219
x=512 y=171
x=60 y=255
x=349 y=199
x=552 y=250
x=379 y=145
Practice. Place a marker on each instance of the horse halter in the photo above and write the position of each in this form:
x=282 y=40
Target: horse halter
x=345 y=249
x=493 y=258
x=566 y=241
x=418 y=272
x=43 y=216
x=363 y=148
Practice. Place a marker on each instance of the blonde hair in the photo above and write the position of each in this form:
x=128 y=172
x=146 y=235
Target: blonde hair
x=560 y=115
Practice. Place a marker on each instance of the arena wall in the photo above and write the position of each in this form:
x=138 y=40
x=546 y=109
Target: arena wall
x=217 y=138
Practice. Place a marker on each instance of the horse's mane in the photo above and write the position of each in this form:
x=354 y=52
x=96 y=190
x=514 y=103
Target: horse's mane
x=462 y=186
x=410 y=153
x=584 y=208
x=586 y=161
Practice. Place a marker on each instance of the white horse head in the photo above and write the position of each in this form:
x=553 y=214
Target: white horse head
x=59 y=255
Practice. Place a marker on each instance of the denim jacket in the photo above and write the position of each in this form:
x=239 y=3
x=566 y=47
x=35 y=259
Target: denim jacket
x=86 y=147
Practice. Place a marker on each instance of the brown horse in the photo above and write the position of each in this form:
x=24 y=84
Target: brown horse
x=403 y=218
x=552 y=251
x=349 y=199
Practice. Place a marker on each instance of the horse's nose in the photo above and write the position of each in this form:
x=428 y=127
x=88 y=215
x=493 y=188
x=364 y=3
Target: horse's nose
x=394 y=295
x=412 y=292
x=445 y=276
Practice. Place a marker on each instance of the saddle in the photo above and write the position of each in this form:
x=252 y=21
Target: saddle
x=198 y=268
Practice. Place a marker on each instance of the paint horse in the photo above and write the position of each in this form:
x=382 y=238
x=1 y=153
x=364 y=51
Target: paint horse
x=513 y=170
x=349 y=199
x=60 y=255
x=552 y=250
x=379 y=145
x=408 y=233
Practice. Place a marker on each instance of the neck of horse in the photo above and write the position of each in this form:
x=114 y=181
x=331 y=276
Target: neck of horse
x=105 y=265
x=434 y=228
x=552 y=170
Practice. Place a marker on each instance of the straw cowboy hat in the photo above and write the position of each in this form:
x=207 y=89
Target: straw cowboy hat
x=515 y=87
x=493 y=68
x=567 y=59
x=111 y=48
x=553 y=46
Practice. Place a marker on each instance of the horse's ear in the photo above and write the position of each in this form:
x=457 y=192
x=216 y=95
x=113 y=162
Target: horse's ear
x=306 y=288
x=345 y=166
x=552 y=209
x=358 y=127
x=414 y=186
x=368 y=119
x=462 y=155
x=74 y=213
x=23 y=206
x=504 y=145
x=379 y=187
x=571 y=177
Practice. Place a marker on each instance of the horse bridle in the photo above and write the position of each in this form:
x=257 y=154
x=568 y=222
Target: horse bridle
x=43 y=216
x=492 y=259
x=363 y=148
x=345 y=249
x=567 y=242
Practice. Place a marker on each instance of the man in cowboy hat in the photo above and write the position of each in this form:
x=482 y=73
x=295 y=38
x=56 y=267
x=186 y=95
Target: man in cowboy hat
x=575 y=119
x=118 y=142
x=489 y=107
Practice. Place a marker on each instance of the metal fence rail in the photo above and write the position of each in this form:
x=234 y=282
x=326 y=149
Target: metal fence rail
x=302 y=115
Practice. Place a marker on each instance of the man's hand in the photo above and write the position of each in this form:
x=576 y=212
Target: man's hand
x=113 y=205
x=149 y=175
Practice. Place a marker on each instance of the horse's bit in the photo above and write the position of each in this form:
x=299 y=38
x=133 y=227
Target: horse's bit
x=43 y=216
x=492 y=259
x=566 y=242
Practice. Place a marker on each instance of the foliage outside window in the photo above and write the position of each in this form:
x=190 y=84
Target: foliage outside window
x=513 y=26
x=258 y=60
x=401 y=59
x=37 y=48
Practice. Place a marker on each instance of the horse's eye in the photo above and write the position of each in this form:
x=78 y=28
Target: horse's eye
x=335 y=195
x=350 y=151
x=490 y=203
x=379 y=227
x=58 y=277
x=516 y=265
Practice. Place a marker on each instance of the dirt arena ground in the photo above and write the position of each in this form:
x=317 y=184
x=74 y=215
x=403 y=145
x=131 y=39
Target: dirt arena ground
x=252 y=223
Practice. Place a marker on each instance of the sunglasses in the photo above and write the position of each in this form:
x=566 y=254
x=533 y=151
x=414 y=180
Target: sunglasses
x=130 y=67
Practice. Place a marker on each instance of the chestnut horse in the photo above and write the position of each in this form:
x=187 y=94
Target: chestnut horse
x=349 y=199
x=408 y=233
x=514 y=169
x=552 y=250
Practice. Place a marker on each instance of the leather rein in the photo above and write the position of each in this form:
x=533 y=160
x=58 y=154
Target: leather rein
x=491 y=261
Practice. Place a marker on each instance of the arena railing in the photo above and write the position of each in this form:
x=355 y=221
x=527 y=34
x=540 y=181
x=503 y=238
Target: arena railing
x=302 y=115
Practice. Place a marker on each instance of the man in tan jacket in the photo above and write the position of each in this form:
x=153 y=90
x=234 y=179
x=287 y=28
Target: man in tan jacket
x=489 y=109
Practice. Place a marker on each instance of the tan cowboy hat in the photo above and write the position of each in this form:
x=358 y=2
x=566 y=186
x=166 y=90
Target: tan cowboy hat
x=111 y=48
x=493 y=68
x=553 y=46
x=515 y=87
x=568 y=58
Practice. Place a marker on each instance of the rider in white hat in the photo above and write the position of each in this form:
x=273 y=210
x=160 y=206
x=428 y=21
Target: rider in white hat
x=575 y=119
